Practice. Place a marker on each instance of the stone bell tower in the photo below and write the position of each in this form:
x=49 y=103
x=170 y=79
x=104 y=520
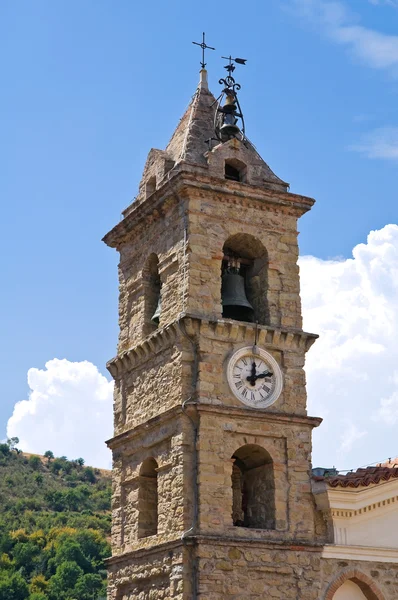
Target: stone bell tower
x=212 y=443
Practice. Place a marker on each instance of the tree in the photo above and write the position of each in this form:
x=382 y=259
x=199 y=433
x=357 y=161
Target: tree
x=5 y=449
x=34 y=462
x=89 y=475
x=25 y=555
x=12 y=443
x=88 y=587
x=38 y=585
x=80 y=462
x=63 y=581
x=39 y=479
x=49 y=455
x=13 y=587
x=69 y=551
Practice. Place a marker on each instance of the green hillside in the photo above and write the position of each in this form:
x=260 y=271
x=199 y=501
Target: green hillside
x=54 y=527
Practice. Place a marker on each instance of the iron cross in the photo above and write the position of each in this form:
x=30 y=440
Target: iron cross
x=204 y=46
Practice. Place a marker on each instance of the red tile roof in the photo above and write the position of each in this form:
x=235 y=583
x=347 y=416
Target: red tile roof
x=364 y=476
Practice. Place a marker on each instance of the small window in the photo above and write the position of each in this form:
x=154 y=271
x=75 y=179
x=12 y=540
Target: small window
x=148 y=499
x=231 y=173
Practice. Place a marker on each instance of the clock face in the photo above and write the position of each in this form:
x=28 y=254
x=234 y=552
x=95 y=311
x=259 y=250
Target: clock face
x=254 y=377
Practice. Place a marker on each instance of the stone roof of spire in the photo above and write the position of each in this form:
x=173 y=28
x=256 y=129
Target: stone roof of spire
x=189 y=140
x=189 y=146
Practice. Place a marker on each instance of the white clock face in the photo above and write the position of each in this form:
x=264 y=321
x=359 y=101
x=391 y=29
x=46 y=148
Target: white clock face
x=254 y=377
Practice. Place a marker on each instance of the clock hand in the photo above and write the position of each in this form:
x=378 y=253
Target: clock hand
x=263 y=375
x=252 y=377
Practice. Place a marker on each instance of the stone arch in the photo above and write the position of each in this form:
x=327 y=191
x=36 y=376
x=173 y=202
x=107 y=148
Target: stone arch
x=148 y=498
x=253 y=488
x=245 y=255
x=364 y=583
x=152 y=292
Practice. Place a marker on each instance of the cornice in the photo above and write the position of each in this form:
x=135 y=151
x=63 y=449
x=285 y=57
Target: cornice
x=153 y=423
x=368 y=553
x=279 y=338
x=145 y=551
x=158 y=341
x=255 y=414
x=285 y=339
x=177 y=188
x=248 y=413
x=216 y=540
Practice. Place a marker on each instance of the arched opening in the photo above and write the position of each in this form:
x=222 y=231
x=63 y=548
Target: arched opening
x=244 y=279
x=253 y=488
x=349 y=591
x=148 y=499
x=353 y=585
x=150 y=186
x=235 y=170
x=152 y=297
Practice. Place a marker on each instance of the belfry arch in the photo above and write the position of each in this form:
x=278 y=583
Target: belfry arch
x=246 y=257
x=152 y=293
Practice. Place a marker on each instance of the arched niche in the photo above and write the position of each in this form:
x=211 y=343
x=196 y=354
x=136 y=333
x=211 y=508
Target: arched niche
x=253 y=488
x=148 y=499
x=246 y=256
x=152 y=286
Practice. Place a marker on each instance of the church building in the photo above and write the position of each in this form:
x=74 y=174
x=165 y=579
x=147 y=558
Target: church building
x=213 y=492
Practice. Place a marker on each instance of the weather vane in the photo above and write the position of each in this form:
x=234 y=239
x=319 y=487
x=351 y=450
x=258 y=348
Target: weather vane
x=227 y=116
x=204 y=47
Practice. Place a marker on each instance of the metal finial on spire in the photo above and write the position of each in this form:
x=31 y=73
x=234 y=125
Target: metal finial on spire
x=204 y=47
x=227 y=116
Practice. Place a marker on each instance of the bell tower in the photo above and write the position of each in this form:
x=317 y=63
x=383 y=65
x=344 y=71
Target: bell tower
x=212 y=443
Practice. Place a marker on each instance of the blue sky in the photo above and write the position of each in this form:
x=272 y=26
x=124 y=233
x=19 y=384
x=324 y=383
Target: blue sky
x=89 y=87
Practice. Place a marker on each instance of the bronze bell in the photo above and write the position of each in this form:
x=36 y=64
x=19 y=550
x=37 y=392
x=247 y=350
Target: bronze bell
x=156 y=315
x=234 y=302
x=229 y=128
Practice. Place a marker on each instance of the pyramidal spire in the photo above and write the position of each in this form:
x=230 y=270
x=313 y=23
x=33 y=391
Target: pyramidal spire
x=189 y=141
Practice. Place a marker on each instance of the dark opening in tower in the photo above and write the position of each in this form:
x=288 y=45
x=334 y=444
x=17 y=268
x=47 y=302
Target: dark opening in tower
x=253 y=488
x=244 y=279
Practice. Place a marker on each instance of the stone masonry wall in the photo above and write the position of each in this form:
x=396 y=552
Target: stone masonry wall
x=217 y=341
x=169 y=442
x=221 y=433
x=156 y=575
x=215 y=217
x=162 y=234
x=255 y=570
x=378 y=578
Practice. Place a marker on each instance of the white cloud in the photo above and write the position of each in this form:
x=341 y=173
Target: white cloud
x=374 y=48
x=379 y=143
x=69 y=411
x=353 y=305
x=348 y=437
